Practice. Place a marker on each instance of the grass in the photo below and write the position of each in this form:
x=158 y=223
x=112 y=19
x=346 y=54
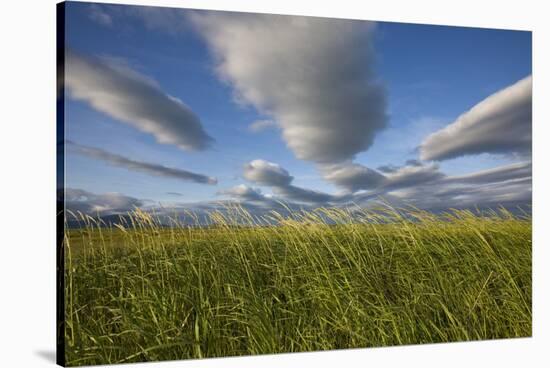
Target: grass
x=144 y=292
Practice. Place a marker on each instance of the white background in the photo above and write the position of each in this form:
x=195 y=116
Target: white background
x=27 y=143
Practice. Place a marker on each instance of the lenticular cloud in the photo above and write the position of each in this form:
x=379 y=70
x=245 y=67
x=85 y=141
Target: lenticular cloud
x=113 y=88
x=313 y=76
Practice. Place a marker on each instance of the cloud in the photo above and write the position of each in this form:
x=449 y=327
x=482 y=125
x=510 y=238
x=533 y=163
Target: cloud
x=427 y=188
x=352 y=177
x=175 y=194
x=113 y=88
x=415 y=174
x=514 y=171
x=294 y=193
x=156 y=18
x=415 y=183
x=313 y=76
x=134 y=165
x=260 y=125
x=507 y=185
x=434 y=195
x=162 y=19
x=408 y=176
x=387 y=168
x=266 y=173
x=499 y=124
x=414 y=163
x=261 y=212
x=443 y=196
x=243 y=192
x=104 y=204
x=99 y=15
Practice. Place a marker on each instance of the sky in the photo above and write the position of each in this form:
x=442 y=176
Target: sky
x=188 y=109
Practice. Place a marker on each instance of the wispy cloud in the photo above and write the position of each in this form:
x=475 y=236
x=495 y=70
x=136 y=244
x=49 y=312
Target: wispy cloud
x=499 y=124
x=156 y=18
x=354 y=177
x=98 y=14
x=272 y=175
x=134 y=165
x=415 y=183
x=103 y=204
x=243 y=192
x=389 y=168
x=350 y=177
x=299 y=194
x=412 y=175
x=508 y=186
x=175 y=194
x=260 y=125
x=115 y=89
x=499 y=174
x=163 y=19
x=444 y=196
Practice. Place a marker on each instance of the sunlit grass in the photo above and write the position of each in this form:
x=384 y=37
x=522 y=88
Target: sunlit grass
x=326 y=279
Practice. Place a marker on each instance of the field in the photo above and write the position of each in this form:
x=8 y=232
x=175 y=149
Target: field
x=317 y=280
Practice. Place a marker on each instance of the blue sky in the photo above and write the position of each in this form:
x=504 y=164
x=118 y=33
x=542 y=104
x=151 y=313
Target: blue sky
x=425 y=76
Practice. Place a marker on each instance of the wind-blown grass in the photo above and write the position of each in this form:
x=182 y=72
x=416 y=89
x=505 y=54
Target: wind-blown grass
x=144 y=292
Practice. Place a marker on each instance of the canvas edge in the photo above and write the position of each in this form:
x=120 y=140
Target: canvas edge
x=60 y=187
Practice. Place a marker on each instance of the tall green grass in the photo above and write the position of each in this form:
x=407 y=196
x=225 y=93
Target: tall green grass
x=326 y=279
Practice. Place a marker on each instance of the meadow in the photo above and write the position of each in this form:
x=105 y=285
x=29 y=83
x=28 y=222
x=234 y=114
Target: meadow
x=324 y=279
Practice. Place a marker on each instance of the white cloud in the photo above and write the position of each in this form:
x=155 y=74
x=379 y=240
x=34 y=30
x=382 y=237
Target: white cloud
x=99 y=15
x=103 y=204
x=115 y=89
x=352 y=177
x=314 y=76
x=260 y=125
x=508 y=186
x=298 y=194
x=412 y=175
x=134 y=165
x=442 y=196
x=243 y=192
x=499 y=124
x=514 y=171
x=156 y=18
x=162 y=19
x=266 y=173
x=387 y=168
x=175 y=194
